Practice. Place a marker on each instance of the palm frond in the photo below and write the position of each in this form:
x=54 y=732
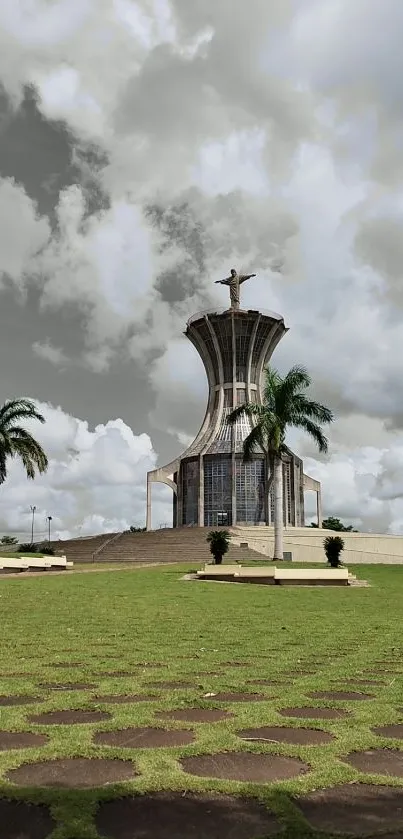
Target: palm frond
x=312 y=410
x=32 y=455
x=254 y=443
x=314 y=430
x=248 y=409
x=16 y=409
x=272 y=382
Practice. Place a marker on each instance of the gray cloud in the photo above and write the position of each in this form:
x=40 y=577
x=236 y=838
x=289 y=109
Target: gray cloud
x=148 y=162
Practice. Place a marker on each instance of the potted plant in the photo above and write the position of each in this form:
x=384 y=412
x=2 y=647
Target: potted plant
x=333 y=546
x=219 y=544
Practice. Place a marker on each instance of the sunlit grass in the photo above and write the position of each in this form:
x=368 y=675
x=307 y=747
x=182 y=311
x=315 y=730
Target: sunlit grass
x=106 y=622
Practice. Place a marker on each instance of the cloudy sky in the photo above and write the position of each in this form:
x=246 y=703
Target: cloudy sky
x=145 y=148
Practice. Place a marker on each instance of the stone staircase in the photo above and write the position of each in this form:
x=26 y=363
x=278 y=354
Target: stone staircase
x=182 y=544
x=82 y=550
x=352 y=581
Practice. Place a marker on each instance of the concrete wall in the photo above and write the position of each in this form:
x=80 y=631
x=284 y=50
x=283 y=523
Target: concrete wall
x=306 y=545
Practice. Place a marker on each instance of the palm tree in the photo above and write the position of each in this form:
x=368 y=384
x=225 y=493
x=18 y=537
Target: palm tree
x=284 y=406
x=15 y=441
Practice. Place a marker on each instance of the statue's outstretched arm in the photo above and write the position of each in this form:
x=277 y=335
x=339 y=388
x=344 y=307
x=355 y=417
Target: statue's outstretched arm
x=244 y=277
x=223 y=282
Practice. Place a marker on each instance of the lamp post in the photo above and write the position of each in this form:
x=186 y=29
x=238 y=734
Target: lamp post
x=33 y=511
x=49 y=519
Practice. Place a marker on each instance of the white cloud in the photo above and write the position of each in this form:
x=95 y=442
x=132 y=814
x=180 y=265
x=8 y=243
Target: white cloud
x=49 y=352
x=96 y=481
x=22 y=232
x=272 y=134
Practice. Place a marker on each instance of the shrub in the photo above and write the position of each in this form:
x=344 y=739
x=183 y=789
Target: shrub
x=8 y=541
x=47 y=551
x=219 y=544
x=333 y=546
x=29 y=548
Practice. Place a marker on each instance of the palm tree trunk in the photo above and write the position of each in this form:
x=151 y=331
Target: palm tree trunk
x=278 y=509
x=269 y=465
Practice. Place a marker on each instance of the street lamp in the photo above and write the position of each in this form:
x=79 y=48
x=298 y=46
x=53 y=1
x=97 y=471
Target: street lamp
x=49 y=519
x=33 y=511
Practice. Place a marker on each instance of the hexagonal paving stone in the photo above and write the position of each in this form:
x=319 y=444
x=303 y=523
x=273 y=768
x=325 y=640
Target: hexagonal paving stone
x=244 y=766
x=293 y=736
x=144 y=738
x=21 y=740
x=393 y=731
x=378 y=762
x=353 y=808
x=307 y=713
x=346 y=695
x=173 y=815
x=20 y=820
x=73 y=773
x=69 y=717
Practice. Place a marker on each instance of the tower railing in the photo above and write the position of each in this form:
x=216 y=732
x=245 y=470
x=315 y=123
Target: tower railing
x=225 y=309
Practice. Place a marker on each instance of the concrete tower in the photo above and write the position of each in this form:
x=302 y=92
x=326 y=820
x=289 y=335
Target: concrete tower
x=212 y=485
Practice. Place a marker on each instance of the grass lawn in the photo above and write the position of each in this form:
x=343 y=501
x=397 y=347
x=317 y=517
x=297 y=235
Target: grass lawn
x=312 y=638
x=16 y=554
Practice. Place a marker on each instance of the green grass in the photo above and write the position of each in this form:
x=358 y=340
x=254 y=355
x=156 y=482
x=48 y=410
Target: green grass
x=115 y=620
x=16 y=554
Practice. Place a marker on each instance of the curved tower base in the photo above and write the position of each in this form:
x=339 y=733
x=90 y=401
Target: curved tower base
x=212 y=485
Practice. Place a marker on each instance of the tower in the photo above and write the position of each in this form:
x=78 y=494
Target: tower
x=212 y=485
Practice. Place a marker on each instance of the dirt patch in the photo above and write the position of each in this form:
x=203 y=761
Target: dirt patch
x=340 y=694
x=69 y=717
x=395 y=731
x=195 y=715
x=353 y=808
x=121 y=700
x=293 y=736
x=172 y=685
x=360 y=681
x=74 y=773
x=149 y=665
x=144 y=738
x=20 y=820
x=180 y=815
x=115 y=674
x=314 y=713
x=67 y=664
x=236 y=664
x=70 y=686
x=243 y=766
x=19 y=700
x=378 y=762
x=270 y=682
x=21 y=740
x=239 y=697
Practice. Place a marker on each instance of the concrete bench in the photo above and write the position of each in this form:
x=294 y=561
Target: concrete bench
x=34 y=563
x=311 y=576
x=219 y=569
x=8 y=566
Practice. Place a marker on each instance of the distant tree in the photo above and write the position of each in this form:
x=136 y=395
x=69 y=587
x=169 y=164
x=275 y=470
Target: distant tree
x=332 y=523
x=219 y=544
x=15 y=441
x=8 y=541
x=137 y=529
x=333 y=546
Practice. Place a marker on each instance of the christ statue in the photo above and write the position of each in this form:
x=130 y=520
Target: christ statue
x=234 y=281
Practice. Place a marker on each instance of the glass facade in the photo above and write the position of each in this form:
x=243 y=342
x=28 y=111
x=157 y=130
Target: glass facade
x=249 y=485
x=217 y=491
x=190 y=476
